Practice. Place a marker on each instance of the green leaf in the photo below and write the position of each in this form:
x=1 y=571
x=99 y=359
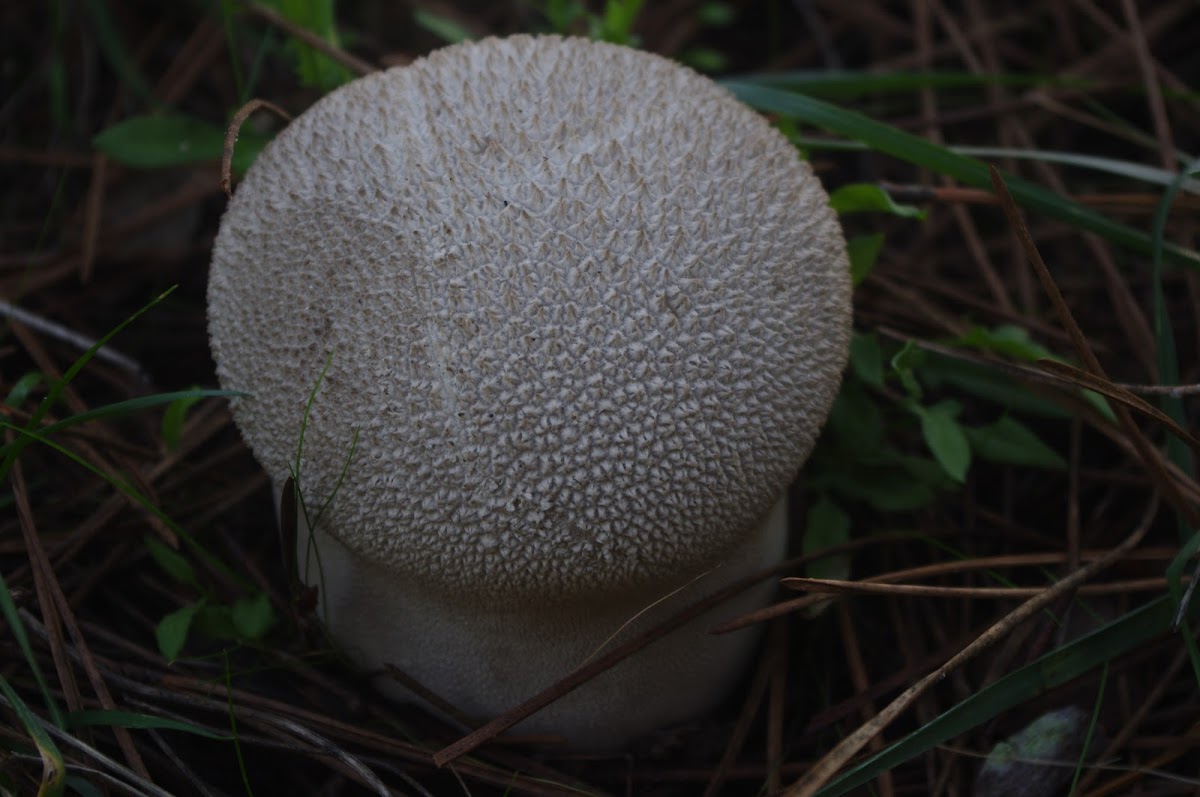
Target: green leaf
x=618 y=21
x=704 y=59
x=444 y=28
x=253 y=617
x=172 y=631
x=989 y=384
x=314 y=68
x=826 y=525
x=715 y=14
x=1010 y=442
x=889 y=487
x=856 y=421
x=863 y=251
x=866 y=358
x=860 y=197
x=904 y=362
x=945 y=437
x=162 y=141
x=562 y=14
x=1008 y=339
x=216 y=622
x=173 y=562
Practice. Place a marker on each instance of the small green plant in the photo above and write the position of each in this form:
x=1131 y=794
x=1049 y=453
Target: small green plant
x=246 y=619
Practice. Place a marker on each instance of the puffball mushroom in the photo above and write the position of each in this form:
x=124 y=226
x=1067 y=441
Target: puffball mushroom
x=584 y=315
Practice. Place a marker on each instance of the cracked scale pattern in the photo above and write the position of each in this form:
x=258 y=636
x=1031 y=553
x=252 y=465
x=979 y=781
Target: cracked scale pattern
x=586 y=312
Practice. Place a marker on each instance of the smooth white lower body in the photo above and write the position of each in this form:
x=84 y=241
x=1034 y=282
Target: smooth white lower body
x=484 y=659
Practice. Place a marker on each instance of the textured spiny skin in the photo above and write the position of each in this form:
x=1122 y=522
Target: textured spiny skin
x=586 y=312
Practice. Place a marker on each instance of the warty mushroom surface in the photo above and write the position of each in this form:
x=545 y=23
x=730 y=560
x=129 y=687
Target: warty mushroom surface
x=584 y=314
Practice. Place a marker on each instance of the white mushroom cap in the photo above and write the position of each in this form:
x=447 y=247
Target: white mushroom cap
x=587 y=314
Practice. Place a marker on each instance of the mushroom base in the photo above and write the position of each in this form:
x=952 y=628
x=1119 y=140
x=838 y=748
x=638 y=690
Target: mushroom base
x=485 y=659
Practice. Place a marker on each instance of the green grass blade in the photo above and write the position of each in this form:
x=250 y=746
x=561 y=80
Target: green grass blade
x=1055 y=668
x=56 y=390
x=847 y=84
x=54 y=770
x=132 y=719
x=134 y=405
x=1115 y=166
x=115 y=51
x=1164 y=336
x=9 y=610
x=969 y=171
x=131 y=492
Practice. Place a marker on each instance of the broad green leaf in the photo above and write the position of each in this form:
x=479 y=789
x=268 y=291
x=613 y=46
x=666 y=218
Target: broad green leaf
x=314 y=68
x=704 y=59
x=562 y=14
x=172 y=631
x=826 y=525
x=253 y=617
x=162 y=141
x=1005 y=339
x=904 y=362
x=216 y=622
x=1010 y=442
x=945 y=437
x=715 y=14
x=886 y=488
x=866 y=358
x=856 y=423
x=863 y=251
x=174 y=563
x=444 y=28
x=617 y=23
x=860 y=197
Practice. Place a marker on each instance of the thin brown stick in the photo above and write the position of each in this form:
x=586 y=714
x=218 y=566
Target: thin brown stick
x=56 y=610
x=231 y=135
x=827 y=586
x=741 y=728
x=860 y=678
x=777 y=644
x=1154 y=96
x=937 y=569
x=93 y=211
